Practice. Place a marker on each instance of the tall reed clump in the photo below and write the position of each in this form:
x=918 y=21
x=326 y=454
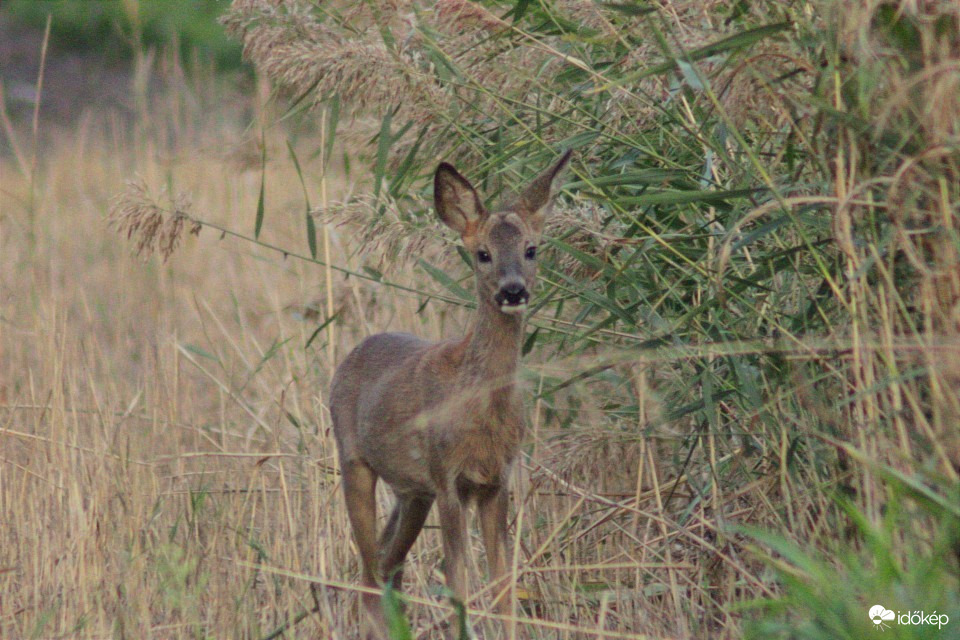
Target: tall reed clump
x=752 y=299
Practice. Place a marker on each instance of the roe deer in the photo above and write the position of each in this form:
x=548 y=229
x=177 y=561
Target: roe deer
x=443 y=421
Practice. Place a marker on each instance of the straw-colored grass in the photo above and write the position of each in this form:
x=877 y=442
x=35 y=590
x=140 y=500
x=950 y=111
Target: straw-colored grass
x=167 y=465
x=743 y=409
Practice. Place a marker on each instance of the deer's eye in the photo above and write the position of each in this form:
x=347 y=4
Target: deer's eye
x=530 y=253
x=483 y=256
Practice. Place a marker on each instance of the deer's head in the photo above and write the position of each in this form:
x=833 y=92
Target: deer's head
x=503 y=243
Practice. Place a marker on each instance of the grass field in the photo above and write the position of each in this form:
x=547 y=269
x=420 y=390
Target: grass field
x=742 y=376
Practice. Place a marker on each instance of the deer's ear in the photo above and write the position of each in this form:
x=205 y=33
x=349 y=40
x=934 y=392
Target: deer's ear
x=457 y=202
x=536 y=199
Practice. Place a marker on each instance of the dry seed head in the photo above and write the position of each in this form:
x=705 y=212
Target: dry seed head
x=748 y=94
x=584 y=225
x=154 y=224
x=382 y=232
x=466 y=15
x=288 y=42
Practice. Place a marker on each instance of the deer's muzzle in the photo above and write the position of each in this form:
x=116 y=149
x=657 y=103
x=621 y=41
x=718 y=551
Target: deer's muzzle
x=512 y=297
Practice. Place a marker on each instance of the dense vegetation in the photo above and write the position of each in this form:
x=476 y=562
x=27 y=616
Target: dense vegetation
x=755 y=268
x=742 y=367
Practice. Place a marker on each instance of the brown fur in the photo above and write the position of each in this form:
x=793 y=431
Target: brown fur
x=443 y=422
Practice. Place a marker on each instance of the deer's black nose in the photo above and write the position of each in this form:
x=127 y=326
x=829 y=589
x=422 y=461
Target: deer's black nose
x=514 y=293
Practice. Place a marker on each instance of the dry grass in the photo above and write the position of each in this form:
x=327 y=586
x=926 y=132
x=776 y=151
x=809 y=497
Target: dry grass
x=147 y=410
x=166 y=463
x=165 y=440
x=167 y=466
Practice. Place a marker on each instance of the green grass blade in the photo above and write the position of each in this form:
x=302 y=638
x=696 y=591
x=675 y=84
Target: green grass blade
x=258 y=224
x=384 y=143
x=311 y=225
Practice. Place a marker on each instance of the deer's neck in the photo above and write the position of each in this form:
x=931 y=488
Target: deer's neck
x=493 y=347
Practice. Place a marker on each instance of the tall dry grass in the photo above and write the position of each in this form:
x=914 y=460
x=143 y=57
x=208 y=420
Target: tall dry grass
x=744 y=396
x=162 y=430
x=167 y=465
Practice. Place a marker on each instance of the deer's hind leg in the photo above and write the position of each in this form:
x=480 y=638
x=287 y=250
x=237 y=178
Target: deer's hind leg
x=406 y=522
x=359 y=490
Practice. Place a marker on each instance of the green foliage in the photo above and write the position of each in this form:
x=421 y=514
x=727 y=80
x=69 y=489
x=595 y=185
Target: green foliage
x=397 y=626
x=121 y=26
x=761 y=216
x=181 y=583
x=828 y=593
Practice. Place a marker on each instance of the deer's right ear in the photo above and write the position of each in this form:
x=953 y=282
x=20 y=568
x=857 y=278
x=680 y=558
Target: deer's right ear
x=537 y=198
x=457 y=203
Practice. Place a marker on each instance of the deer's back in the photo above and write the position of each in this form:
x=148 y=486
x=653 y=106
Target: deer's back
x=378 y=392
x=369 y=372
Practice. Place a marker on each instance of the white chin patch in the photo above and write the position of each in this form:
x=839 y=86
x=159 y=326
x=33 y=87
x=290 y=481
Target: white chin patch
x=513 y=309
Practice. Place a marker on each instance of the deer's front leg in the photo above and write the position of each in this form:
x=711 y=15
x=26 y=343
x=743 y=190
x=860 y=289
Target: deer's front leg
x=453 y=528
x=492 y=509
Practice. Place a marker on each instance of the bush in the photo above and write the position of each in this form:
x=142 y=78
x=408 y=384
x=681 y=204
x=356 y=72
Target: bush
x=122 y=27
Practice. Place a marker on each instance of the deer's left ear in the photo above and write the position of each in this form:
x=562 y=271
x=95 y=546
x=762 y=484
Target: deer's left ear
x=537 y=198
x=456 y=201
